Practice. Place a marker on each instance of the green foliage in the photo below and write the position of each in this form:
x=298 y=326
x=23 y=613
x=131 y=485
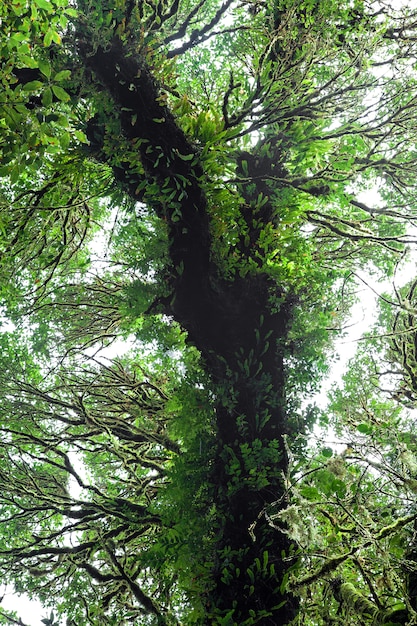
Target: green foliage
x=184 y=209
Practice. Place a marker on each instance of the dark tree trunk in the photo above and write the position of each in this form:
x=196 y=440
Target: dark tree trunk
x=240 y=335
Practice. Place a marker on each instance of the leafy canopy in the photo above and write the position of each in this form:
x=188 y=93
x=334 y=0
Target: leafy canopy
x=188 y=194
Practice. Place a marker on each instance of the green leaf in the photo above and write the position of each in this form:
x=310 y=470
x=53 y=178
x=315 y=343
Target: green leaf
x=47 y=40
x=45 y=68
x=56 y=37
x=60 y=93
x=80 y=136
x=28 y=61
x=310 y=493
x=63 y=75
x=327 y=453
x=47 y=97
x=33 y=85
x=185 y=157
x=44 y=4
x=14 y=175
x=64 y=140
x=339 y=488
x=364 y=429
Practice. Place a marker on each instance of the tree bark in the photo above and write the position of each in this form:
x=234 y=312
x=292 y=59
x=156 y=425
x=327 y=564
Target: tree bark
x=240 y=335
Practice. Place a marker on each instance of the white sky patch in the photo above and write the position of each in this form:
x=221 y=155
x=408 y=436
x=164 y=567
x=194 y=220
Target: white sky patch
x=31 y=612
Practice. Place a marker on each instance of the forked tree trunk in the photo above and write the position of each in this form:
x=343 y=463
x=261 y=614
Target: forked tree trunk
x=240 y=335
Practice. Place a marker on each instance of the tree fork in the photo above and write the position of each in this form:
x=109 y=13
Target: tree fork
x=221 y=317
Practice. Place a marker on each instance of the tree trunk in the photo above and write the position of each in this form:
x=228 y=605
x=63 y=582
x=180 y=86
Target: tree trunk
x=239 y=329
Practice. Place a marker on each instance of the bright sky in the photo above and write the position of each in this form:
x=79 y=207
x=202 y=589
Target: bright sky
x=30 y=612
